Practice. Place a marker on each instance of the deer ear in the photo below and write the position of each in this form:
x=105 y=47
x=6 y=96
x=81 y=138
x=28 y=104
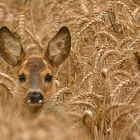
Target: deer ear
x=59 y=47
x=10 y=47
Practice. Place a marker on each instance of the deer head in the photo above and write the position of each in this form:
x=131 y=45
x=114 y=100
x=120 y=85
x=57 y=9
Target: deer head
x=36 y=73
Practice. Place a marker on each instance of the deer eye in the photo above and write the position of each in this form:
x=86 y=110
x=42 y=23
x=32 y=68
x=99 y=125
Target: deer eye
x=21 y=78
x=48 y=78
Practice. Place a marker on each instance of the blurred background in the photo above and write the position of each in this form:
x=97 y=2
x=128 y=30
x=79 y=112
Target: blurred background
x=101 y=75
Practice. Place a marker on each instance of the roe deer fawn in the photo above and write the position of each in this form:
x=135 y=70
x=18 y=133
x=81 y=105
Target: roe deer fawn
x=36 y=73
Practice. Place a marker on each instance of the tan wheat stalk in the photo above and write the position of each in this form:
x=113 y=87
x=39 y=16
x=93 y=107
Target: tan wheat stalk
x=108 y=35
x=4 y=11
x=85 y=104
x=97 y=59
x=34 y=38
x=8 y=82
x=86 y=78
x=136 y=13
x=125 y=113
x=61 y=96
x=98 y=19
x=132 y=95
x=116 y=93
x=125 y=41
x=121 y=72
x=107 y=54
x=21 y=25
x=123 y=5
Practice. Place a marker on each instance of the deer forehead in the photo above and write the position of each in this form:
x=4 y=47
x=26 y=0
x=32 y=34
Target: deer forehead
x=35 y=64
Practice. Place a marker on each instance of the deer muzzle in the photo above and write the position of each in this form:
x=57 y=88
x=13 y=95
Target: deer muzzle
x=34 y=98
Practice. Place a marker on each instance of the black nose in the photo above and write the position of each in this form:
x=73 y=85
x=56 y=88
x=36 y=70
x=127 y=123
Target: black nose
x=34 y=97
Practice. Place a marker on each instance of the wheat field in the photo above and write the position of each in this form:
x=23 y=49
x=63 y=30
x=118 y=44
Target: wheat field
x=98 y=93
